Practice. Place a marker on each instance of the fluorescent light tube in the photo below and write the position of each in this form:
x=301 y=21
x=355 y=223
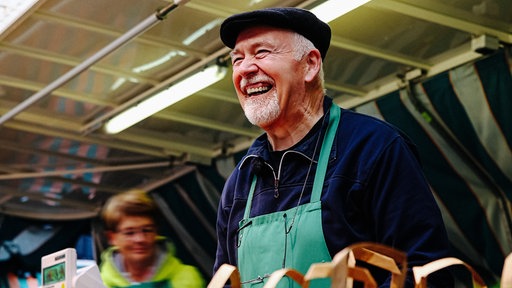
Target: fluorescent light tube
x=330 y=10
x=165 y=98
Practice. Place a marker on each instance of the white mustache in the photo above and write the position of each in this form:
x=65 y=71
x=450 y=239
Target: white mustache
x=254 y=79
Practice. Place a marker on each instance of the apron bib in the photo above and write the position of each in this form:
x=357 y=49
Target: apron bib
x=267 y=242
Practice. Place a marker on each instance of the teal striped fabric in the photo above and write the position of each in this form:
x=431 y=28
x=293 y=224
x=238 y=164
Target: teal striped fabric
x=461 y=121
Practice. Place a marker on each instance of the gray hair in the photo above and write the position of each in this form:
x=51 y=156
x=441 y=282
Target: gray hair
x=302 y=47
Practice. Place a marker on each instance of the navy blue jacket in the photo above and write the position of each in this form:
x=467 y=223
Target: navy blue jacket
x=374 y=190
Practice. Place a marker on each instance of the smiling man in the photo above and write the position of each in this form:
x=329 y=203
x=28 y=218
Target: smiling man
x=320 y=178
x=138 y=256
x=266 y=97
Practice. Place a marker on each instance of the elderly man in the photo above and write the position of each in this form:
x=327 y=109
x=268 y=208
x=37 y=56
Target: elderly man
x=320 y=178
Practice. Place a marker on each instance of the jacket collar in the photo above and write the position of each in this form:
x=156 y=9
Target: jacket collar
x=260 y=150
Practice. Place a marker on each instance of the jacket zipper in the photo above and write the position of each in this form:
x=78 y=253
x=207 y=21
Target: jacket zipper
x=276 y=177
x=276 y=180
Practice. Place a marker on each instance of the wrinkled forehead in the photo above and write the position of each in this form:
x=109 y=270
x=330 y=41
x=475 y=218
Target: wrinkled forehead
x=263 y=35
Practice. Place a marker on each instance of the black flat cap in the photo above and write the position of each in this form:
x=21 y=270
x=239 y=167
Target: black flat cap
x=299 y=20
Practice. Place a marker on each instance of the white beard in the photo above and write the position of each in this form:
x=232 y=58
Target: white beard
x=262 y=110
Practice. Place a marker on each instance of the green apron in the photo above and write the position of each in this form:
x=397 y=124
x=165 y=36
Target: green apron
x=266 y=243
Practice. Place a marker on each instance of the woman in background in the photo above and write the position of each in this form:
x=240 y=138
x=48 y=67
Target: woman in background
x=138 y=255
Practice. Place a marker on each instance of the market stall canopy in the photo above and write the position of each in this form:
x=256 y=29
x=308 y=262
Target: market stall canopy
x=54 y=151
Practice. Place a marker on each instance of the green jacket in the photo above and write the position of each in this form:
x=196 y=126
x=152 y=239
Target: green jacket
x=172 y=273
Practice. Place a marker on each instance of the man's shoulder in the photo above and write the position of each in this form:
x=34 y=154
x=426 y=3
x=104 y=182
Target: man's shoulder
x=364 y=119
x=362 y=123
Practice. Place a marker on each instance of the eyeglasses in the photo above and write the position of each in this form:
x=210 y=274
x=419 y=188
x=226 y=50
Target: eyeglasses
x=132 y=232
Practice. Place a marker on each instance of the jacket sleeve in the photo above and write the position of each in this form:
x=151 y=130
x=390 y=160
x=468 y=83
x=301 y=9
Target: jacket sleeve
x=223 y=212
x=405 y=212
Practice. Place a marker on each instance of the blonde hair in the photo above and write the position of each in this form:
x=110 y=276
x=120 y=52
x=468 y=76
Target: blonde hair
x=134 y=202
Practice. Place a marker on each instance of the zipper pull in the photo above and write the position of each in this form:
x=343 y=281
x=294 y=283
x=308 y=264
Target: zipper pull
x=276 y=190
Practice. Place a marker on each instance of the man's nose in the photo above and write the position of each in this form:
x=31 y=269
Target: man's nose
x=246 y=66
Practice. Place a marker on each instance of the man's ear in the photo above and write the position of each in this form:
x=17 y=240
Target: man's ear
x=314 y=61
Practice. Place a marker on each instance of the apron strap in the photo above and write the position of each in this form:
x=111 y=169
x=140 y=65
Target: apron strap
x=325 y=151
x=249 y=197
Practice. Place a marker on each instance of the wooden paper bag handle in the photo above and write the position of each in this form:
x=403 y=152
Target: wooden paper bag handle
x=226 y=272
x=342 y=271
x=506 y=275
x=421 y=272
x=277 y=275
x=384 y=257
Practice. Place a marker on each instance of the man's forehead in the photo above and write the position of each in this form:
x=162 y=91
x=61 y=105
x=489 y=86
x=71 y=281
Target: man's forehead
x=263 y=35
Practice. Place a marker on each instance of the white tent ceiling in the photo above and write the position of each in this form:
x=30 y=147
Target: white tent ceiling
x=55 y=140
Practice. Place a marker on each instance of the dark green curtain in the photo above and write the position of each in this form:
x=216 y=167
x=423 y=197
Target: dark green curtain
x=461 y=122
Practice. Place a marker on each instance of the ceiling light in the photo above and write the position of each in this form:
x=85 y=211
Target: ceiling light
x=202 y=31
x=164 y=59
x=165 y=98
x=332 y=9
x=11 y=10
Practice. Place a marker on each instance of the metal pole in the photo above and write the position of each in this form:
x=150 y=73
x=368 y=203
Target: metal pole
x=23 y=175
x=132 y=33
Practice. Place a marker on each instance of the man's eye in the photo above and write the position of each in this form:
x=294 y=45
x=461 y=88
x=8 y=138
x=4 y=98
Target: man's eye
x=262 y=53
x=235 y=60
